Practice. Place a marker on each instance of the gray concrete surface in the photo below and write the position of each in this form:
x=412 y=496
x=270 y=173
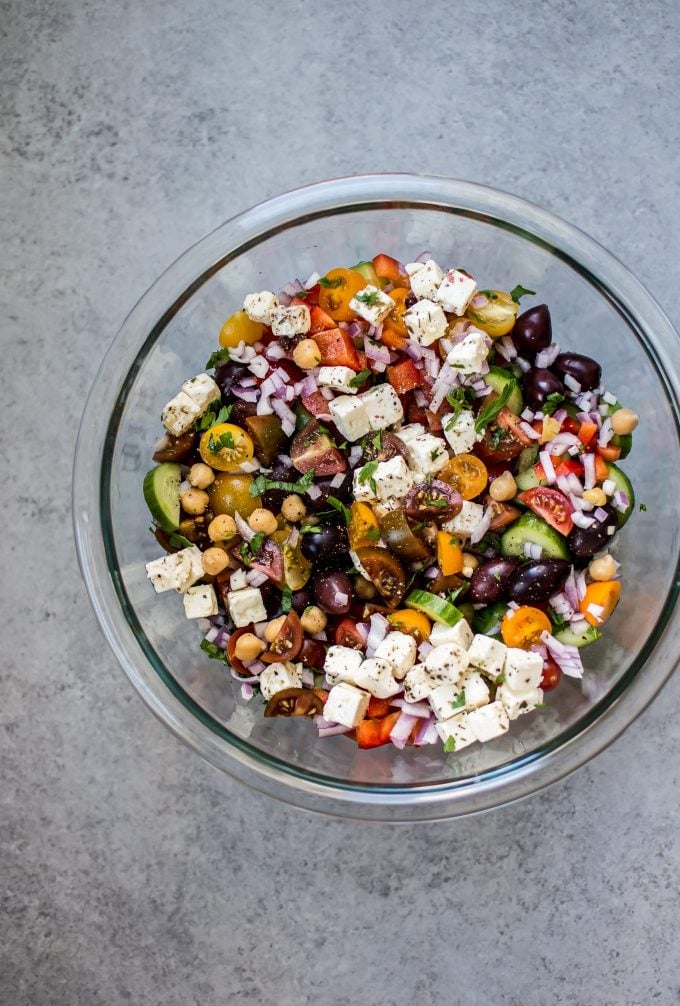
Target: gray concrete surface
x=130 y=872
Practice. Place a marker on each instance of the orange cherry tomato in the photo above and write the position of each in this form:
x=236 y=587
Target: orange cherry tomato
x=522 y=627
x=604 y=595
x=412 y=623
x=337 y=289
x=467 y=474
x=395 y=319
x=363 y=528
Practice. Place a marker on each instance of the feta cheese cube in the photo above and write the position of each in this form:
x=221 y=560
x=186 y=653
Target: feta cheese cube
x=446 y=700
x=179 y=414
x=425 y=277
x=382 y=406
x=425 y=322
x=338 y=378
x=399 y=650
x=518 y=703
x=459 y=634
x=475 y=690
x=468 y=356
x=456 y=291
x=293 y=320
x=202 y=389
x=342 y=663
x=487 y=654
x=426 y=455
x=175 y=572
x=417 y=684
x=276 y=677
x=371 y=304
x=345 y=704
x=448 y=661
x=523 y=669
x=460 y=431
x=238 y=580
x=488 y=722
x=456 y=729
x=410 y=432
x=467 y=520
x=389 y=480
x=350 y=417
x=246 y=606
x=375 y=676
x=259 y=306
x=200 y=602
x=609 y=487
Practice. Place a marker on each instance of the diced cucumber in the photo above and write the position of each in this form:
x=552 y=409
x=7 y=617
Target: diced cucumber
x=499 y=379
x=622 y=483
x=434 y=607
x=532 y=529
x=571 y=638
x=302 y=416
x=487 y=621
x=528 y=480
x=161 y=492
x=367 y=270
x=624 y=441
x=528 y=458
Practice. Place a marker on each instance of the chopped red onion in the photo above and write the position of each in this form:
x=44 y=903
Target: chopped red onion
x=576 y=502
x=580 y=519
x=560 y=415
x=242 y=353
x=431 y=573
x=286 y=416
x=362 y=629
x=259 y=366
x=250 y=680
x=427 y=734
x=380 y=354
x=589 y=471
x=581 y=584
x=548 y=466
x=248 y=381
x=307 y=677
x=313 y=492
x=399 y=733
x=523 y=364
x=529 y=431
x=337 y=480
x=596 y=610
x=601 y=514
x=355 y=456
x=247 y=691
x=340 y=598
x=249 y=466
x=567 y=658
x=609 y=398
x=560 y=443
x=424 y=648
x=419 y=709
x=283 y=374
x=312 y=280
x=547 y=357
x=509 y=348
x=528 y=415
x=243 y=527
x=482 y=526
x=620 y=501
x=415 y=351
x=256 y=578
x=432 y=362
x=446 y=381
x=293 y=288
x=212 y=634
x=578 y=623
x=285 y=460
x=327 y=728
x=246 y=395
x=606 y=433
x=294 y=537
x=419 y=398
x=571 y=383
x=379 y=627
x=513 y=605
x=424 y=257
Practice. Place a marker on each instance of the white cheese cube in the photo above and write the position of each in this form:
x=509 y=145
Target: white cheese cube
x=399 y=650
x=192 y=567
x=456 y=291
x=342 y=663
x=425 y=322
x=456 y=730
x=523 y=669
x=426 y=454
x=418 y=684
x=289 y=321
x=518 y=703
x=238 y=580
x=408 y=433
x=475 y=690
x=375 y=675
x=468 y=356
x=460 y=431
x=389 y=480
x=448 y=662
x=487 y=655
x=259 y=306
x=276 y=677
x=179 y=414
x=202 y=389
x=338 y=378
x=459 y=635
x=346 y=704
x=246 y=606
x=371 y=304
x=425 y=277
x=350 y=417
x=201 y=601
x=175 y=572
x=382 y=406
x=466 y=521
x=488 y=722
x=609 y=487
x=446 y=700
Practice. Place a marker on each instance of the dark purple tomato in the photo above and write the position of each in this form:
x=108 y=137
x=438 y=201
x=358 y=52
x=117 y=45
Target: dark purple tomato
x=586 y=541
x=313 y=653
x=241 y=411
x=584 y=370
x=532 y=331
x=334 y=592
x=535 y=582
x=329 y=546
x=271 y=598
x=489 y=583
x=538 y=383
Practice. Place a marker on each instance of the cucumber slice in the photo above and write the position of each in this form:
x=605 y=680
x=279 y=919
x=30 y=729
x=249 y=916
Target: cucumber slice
x=434 y=607
x=487 y=621
x=528 y=480
x=571 y=638
x=624 y=441
x=499 y=379
x=367 y=270
x=530 y=528
x=161 y=492
x=528 y=458
x=302 y=416
x=623 y=483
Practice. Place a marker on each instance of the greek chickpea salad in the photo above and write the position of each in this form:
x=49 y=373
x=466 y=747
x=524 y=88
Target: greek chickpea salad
x=389 y=503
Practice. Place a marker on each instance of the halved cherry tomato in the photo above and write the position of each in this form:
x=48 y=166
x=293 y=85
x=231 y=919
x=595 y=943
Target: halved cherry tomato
x=510 y=422
x=288 y=642
x=384 y=571
x=496 y=314
x=294 y=702
x=377 y=708
x=373 y=733
x=467 y=474
x=412 y=623
x=570 y=425
x=268 y=437
x=449 y=553
x=587 y=433
x=396 y=532
x=550 y=504
x=395 y=319
x=311 y=297
x=316 y=404
x=404 y=376
x=337 y=289
x=337 y=349
x=602 y=594
x=433 y=500
x=313 y=448
x=347 y=634
x=239 y=328
x=231 y=648
x=552 y=675
x=363 y=527
x=387 y=268
x=502 y=513
x=312 y=653
x=269 y=560
x=522 y=627
x=320 y=321
x=609 y=453
x=225 y=447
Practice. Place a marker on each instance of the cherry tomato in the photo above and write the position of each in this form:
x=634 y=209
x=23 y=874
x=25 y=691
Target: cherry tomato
x=230 y=493
x=550 y=504
x=269 y=560
x=387 y=268
x=434 y=500
x=363 y=526
x=496 y=316
x=510 y=422
x=412 y=623
x=313 y=448
x=171 y=448
x=347 y=634
x=239 y=328
x=502 y=513
x=467 y=474
x=552 y=675
x=394 y=321
x=288 y=642
x=337 y=289
x=226 y=447
x=384 y=571
x=231 y=648
x=294 y=702
x=313 y=653
x=522 y=627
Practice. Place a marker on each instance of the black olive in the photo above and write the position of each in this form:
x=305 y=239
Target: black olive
x=538 y=384
x=586 y=541
x=584 y=370
x=489 y=581
x=532 y=331
x=536 y=581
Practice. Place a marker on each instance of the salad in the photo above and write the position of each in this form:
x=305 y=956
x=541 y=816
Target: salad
x=390 y=501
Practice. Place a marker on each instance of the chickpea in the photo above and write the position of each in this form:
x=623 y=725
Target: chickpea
x=194 y=501
x=313 y=620
x=293 y=508
x=503 y=488
x=364 y=589
x=306 y=354
x=214 y=561
x=603 y=568
x=248 y=647
x=201 y=476
x=273 y=628
x=263 y=520
x=470 y=564
x=624 y=421
x=222 y=528
x=595 y=496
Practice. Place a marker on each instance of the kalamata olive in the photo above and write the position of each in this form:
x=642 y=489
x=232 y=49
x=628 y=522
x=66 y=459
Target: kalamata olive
x=242 y=411
x=586 y=541
x=271 y=598
x=538 y=384
x=302 y=599
x=227 y=375
x=273 y=498
x=326 y=547
x=532 y=331
x=585 y=371
x=334 y=592
x=313 y=653
x=535 y=582
x=489 y=583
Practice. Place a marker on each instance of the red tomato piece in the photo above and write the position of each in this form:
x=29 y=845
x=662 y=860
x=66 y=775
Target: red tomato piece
x=288 y=642
x=550 y=504
x=552 y=675
x=609 y=453
x=347 y=634
x=510 y=422
x=387 y=268
x=404 y=376
x=569 y=425
x=377 y=708
x=321 y=321
x=601 y=469
x=316 y=404
x=373 y=733
x=337 y=349
x=587 y=433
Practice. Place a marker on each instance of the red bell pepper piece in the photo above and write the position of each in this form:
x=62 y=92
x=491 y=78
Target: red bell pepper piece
x=337 y=349
x=320 y=321
x=373 y=733
x=387 y=268
x=404 y=376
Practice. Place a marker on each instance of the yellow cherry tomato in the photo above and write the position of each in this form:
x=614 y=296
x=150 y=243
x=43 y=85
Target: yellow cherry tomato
x=496 y=316
x=225 y=447
x=239 y=328
x=337 y=289
x=412 y=623
x=363 y=528
x=467 y=474
x=231 y=493
x=522 y=627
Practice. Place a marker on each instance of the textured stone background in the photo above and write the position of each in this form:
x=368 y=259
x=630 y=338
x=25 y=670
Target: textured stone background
x=130 y=872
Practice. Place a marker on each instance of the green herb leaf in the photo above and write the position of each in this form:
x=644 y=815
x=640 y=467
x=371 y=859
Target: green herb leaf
x=179 y=541
x=490 y=411
x=301 y=294
x=449 y=745
x=330 y=284
x=286 y=599
x=491 y=294
x=643 y=506
x=372 y=534
x=261 y=484
x=225 y=441
x=217 y=413
x=500 y=679
x=359 y=378
x=219 y=356
x=459 y=701
x=558 y=621
x=453 y=595
x=214 y=652
x=377 y=441
x=366 y=476
x=552 y=403
x=341 y=508
x=368 y=297
x=520 y=291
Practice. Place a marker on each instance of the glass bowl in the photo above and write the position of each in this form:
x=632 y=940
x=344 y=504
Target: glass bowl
x=597 y=307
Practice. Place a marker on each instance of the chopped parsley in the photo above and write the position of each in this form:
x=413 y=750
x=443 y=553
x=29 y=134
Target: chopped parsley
x=490 y=294
x=490 y=411
x=643 y=506
x=330 y=284
x=359 y=378
x=437 y=501
x=453 y=595
x=301 y=294
x=459 y=701
x=341 y=508
x=217 y=413
x=219 y=356
x=372 y=534
x=520 y=291
x=249 y=549
x=500 y=679
x=286 y=599
x=498 y=436
x=552 y=403
x=368 y=297
x=449 y=745
x=214 y=652
x=179 y=541
x=225 y=441
x=377 y=441
x=558 y=621
x=435 y=453
x=367 y=476
x=261 y=484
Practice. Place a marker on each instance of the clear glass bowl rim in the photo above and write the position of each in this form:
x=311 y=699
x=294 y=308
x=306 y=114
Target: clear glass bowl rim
x=515 y=779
